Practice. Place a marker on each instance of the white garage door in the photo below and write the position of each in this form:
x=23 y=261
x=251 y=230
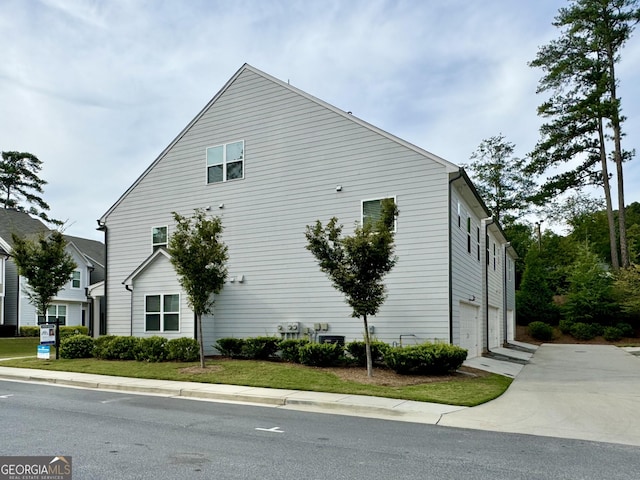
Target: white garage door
x=469 y=329
x=495 y=327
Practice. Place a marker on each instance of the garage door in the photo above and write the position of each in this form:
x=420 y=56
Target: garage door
x=495 y=327
x=469 y=329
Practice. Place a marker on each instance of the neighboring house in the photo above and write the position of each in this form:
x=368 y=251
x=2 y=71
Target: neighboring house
x=270 y=159
x=71 y=306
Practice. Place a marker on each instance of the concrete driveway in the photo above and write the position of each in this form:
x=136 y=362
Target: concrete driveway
x=589 y=392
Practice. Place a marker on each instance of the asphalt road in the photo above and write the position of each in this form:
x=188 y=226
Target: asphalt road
x=112 y=435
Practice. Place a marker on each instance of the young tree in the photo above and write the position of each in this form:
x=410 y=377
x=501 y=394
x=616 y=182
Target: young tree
x=46 y=265
x=198 y=256
x=357 y=264
x=19 y=181
x=500 y=179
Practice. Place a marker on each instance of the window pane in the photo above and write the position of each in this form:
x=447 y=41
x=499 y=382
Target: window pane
x=215 y=155
x=152 y=303
x=234 y=170
x=152 y=323
x=214 y=174
x=171 y=303
x=371 y=211
x=235 y=151
x=159 y=235
x=171 y=322
x=62 y=310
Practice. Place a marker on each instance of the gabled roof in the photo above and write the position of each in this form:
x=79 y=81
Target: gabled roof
x=92 y=249
x=160 y=252
x=246 y=67
x=20 y=223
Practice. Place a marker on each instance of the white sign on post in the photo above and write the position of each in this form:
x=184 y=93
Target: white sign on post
x=47 y=334
x=44 y=352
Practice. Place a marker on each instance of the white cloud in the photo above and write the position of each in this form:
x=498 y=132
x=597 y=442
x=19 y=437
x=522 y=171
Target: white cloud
x=98 y=89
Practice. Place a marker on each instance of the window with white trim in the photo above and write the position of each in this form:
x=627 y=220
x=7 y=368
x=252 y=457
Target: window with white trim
x=372 y=212
x=75 y=279
x=159 y=237
x=225 y=162
x=53 y=312
x=162 y=313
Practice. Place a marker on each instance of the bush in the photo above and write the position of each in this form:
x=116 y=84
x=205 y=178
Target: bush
x=626 y=330
x=151 y=349
x=357 y=349
x=230 y=347
x=612 y=334
x=425 y=359
x=290 y=349
x=321 y=354
x=68 y=330
x=30 y=331
x=116 y=348
x=260 y=348
x=583 y=331
x=565 y=326
x=541 y=331
x=76 y=346
x=183 y=349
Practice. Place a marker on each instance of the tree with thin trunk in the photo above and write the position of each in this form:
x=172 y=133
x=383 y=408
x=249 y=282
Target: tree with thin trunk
x=580 y=73
x=357 y=264
x=45 y=264
x=199 y=256
x=20 y=183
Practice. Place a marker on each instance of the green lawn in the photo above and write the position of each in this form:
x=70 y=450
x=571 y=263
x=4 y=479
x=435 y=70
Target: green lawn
x=467 y=391
x=20 y=347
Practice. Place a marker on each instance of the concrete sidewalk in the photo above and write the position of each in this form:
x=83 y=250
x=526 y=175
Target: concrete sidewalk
x=587 y=392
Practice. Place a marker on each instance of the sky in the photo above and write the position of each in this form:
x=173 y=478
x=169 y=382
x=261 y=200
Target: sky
x=97 y=89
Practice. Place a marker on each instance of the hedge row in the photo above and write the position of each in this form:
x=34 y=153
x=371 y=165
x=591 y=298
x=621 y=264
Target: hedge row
x=150 y=349
x=65 y=331
x=581 y=331
x=425 y=359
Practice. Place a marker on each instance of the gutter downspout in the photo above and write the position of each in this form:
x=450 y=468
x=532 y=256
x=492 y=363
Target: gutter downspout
x=103 y=228
x=131 y=310
x=485 y=283
x=460 y=174
x=505 y=292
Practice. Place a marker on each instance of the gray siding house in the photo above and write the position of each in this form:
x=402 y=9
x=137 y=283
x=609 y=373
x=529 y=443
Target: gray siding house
x=72 y=305
x=270 y=159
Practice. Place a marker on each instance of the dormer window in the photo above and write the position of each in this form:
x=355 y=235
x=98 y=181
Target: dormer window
x=158 y=237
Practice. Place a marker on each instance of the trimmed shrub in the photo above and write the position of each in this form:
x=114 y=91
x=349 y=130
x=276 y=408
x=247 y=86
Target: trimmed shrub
x=260 y=348
x=116 y=348
x=583 y=331
x=290 y=349
x=626 y=330
x=183 y=349
x=357 y=349
x=425 y=359
x=69 y=330
x=541 y=331
x=30 y=331
x=76 y=346
x=230 y=347
x=321 y=354
x=565 y=326
x=612 y=334
x=151 y=349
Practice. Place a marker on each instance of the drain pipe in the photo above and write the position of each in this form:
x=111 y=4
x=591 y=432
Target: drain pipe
x=485 y=284
x=131 y=310
x=505 y=292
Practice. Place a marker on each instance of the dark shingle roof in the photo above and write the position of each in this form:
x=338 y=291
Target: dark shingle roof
x=20 y=223
x=91 y=248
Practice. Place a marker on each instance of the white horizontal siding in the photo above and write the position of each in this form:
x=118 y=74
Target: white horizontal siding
x=296 y=152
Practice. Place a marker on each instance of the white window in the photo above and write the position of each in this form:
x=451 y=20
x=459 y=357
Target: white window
x=372 y=211
x=225 y=162
x=159 y=237
x=53 y=312
x=75 y=279
x=162 y=313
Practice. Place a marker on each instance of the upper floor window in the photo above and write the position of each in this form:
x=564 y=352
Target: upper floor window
x=159 y=237
x=225 y=162
x=75 y=279
x=372 y=211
